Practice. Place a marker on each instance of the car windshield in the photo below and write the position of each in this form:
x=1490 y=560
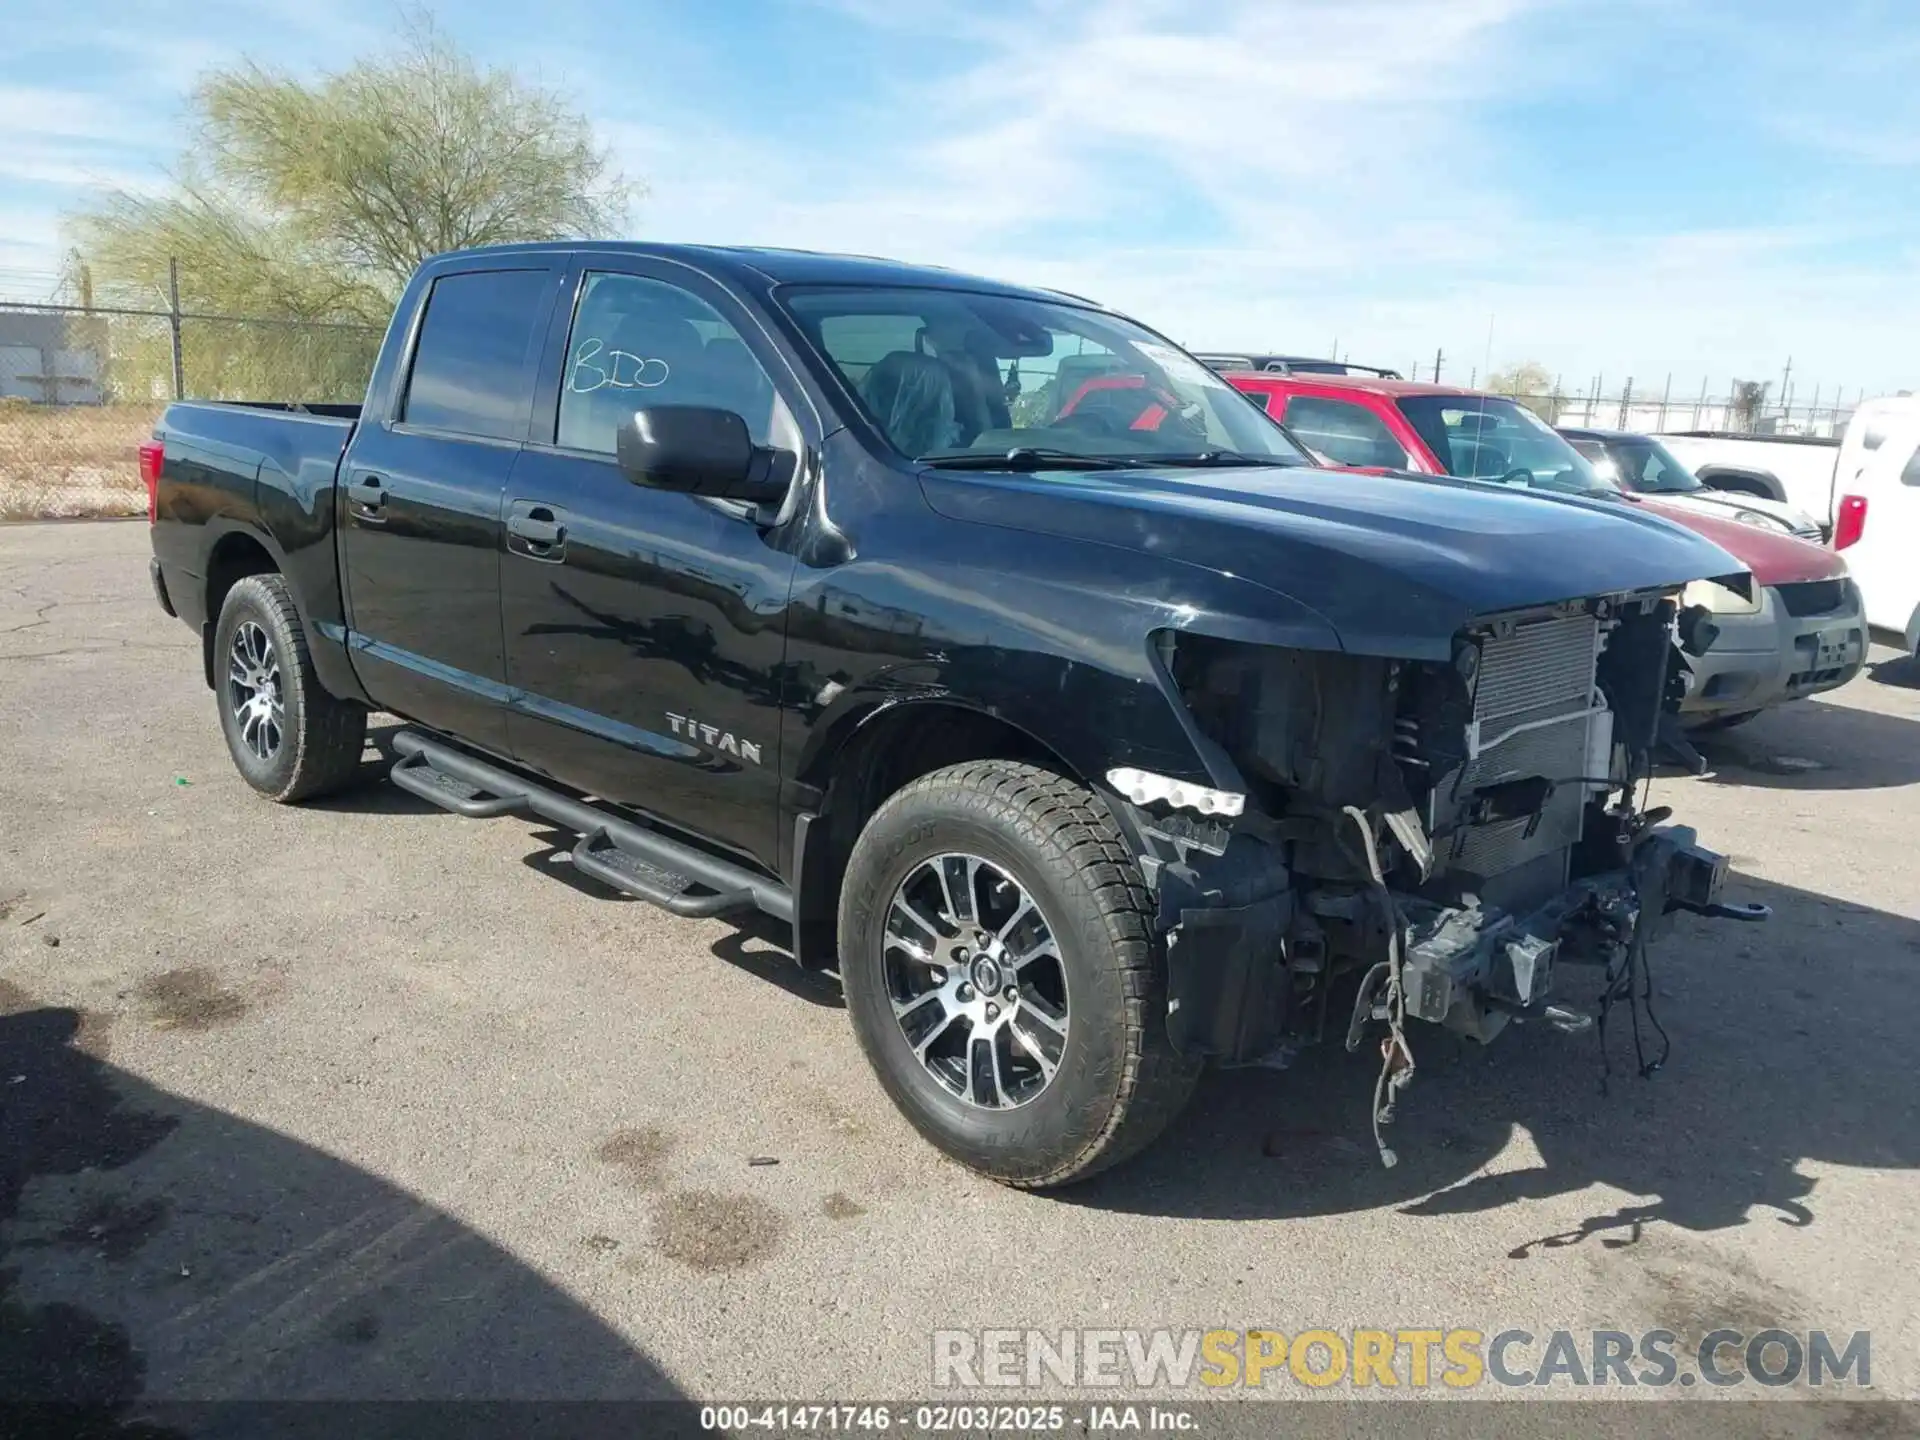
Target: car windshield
x=1487 y=437
x=955 y=378
x=1648 y=466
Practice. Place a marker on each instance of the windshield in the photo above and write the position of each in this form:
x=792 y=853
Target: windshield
x=951 y=377
x=1648 y=466
x=1489 y=438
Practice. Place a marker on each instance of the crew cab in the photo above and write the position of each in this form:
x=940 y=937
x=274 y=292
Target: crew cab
x=1086 y=755
x=1799 y=632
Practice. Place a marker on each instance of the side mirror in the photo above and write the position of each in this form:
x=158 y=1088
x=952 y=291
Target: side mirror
x=699 y=450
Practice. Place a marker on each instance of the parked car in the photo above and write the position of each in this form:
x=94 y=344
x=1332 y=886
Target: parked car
x=1796 y=470
x=1642 y=464
x=1085 y=754
x=1291 y=365
x=1877 y=522
x=1800 y=633
x=1810 y=472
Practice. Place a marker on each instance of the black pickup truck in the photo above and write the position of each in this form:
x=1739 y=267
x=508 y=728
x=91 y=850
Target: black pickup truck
x=1088 y=741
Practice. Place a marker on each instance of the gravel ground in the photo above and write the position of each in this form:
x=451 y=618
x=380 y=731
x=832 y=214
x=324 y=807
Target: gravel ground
x=359 y=1100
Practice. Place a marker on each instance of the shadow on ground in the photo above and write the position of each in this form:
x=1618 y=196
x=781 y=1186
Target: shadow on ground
x=145 y=1238
x=1815 y=745
x=1898 y=670
x=1791 y=1042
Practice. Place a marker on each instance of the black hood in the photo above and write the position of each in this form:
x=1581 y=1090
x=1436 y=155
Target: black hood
x=1395 y=563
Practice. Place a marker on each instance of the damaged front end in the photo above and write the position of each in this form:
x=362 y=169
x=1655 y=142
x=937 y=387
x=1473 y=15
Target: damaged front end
x=1418 y=839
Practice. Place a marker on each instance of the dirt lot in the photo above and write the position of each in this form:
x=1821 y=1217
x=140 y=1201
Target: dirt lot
x=362 y=1100
x=62 y=461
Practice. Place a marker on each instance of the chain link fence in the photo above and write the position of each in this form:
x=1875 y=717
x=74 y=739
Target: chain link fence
x=81 y=387
x=1662 y=412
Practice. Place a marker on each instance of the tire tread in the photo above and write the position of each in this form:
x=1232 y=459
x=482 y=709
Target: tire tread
x=332 y=735
x=1072 y=826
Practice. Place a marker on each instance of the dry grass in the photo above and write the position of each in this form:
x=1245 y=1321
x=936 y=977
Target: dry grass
x=72 y=460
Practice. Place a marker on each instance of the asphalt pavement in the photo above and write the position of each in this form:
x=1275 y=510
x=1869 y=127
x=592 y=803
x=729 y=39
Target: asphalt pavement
x=361 y=1099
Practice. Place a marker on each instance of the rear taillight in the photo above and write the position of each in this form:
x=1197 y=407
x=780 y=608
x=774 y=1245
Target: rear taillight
x=1849 y=521
x=152 y=456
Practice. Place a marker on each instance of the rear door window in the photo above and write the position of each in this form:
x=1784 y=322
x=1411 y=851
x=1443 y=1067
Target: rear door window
x=1345 y=433
x=640 y=342
x=472 y=367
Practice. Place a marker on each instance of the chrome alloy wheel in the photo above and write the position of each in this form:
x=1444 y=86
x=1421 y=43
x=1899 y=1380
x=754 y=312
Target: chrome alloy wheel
x=253 y=689
x=976 y=981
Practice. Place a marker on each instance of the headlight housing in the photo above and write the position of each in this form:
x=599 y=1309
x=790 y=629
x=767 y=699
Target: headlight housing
x=1762 y=519
x=1720 y=599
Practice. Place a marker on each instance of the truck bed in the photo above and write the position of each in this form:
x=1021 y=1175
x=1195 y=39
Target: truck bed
x=1800 y=467
x=242 y=479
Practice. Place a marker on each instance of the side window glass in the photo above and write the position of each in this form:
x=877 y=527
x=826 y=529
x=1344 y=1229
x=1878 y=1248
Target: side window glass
x=470 y=365
x=1911 y=475
x=1345 y=433
x=1261 y=400
x=639 y=342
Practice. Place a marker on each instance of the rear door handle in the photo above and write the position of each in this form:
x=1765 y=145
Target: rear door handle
x=367 y=496
x=537 y=531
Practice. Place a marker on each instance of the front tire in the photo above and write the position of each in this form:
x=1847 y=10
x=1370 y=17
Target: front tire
x=1001 y=970
x=289 y=738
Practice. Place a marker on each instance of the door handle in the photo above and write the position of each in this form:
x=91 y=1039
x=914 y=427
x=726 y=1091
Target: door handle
x=537 y=527
x=536 y=531
x=367 y=496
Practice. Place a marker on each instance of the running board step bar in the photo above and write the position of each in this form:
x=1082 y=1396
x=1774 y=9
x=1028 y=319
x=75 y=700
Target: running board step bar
x=621 y=854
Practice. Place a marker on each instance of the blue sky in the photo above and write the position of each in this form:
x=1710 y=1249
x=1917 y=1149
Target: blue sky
x=1613 y=187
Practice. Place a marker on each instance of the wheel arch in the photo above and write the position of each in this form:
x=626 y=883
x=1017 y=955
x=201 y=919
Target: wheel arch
x=1761 y=483
x=874 y=754
x=234 y=555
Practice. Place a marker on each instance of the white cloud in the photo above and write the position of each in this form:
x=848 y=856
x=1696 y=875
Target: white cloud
x=1247 y=172
x=1329 y=169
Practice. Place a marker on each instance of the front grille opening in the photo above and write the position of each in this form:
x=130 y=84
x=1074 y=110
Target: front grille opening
x=1812 y=597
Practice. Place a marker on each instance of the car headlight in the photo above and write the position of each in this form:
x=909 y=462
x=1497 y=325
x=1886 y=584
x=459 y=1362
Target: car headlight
x=1720 y=599
x=1762 y=519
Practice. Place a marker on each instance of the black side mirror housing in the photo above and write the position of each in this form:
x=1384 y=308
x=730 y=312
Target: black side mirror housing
x=700 y=450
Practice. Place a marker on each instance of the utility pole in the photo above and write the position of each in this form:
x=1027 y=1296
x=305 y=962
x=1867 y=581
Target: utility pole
x=1665 y=396
x=1786 y=384
x=1626 y=401
x=1699 y=404
x=173 y=327
x=1438 y=356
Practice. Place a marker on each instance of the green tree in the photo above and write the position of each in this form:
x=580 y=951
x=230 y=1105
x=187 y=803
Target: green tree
x=315 y=200
x=1532 y=385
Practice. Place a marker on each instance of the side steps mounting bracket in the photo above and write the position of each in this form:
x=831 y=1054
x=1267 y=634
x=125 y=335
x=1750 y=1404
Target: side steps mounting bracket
x=621 y=854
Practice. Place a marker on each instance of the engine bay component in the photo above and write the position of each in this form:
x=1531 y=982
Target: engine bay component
x=1452 y=835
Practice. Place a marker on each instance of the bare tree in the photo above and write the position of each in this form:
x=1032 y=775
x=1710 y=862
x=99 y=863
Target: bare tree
x=1749 y=401
x=1531 y=384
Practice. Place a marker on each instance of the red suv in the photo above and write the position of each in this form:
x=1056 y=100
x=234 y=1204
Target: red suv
x=1800 y=634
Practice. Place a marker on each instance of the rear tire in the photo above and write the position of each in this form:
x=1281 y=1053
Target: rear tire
x=289 y=738
x=1074 y=1073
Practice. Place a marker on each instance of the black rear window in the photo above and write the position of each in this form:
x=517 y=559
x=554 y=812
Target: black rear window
x=470 y=369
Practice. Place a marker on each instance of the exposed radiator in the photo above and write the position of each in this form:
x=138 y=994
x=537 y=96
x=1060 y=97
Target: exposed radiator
x=1533 y=717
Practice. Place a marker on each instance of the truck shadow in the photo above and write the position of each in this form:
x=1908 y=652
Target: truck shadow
x=1816 y=745
x=1791 y=1042
x=152 y=1248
